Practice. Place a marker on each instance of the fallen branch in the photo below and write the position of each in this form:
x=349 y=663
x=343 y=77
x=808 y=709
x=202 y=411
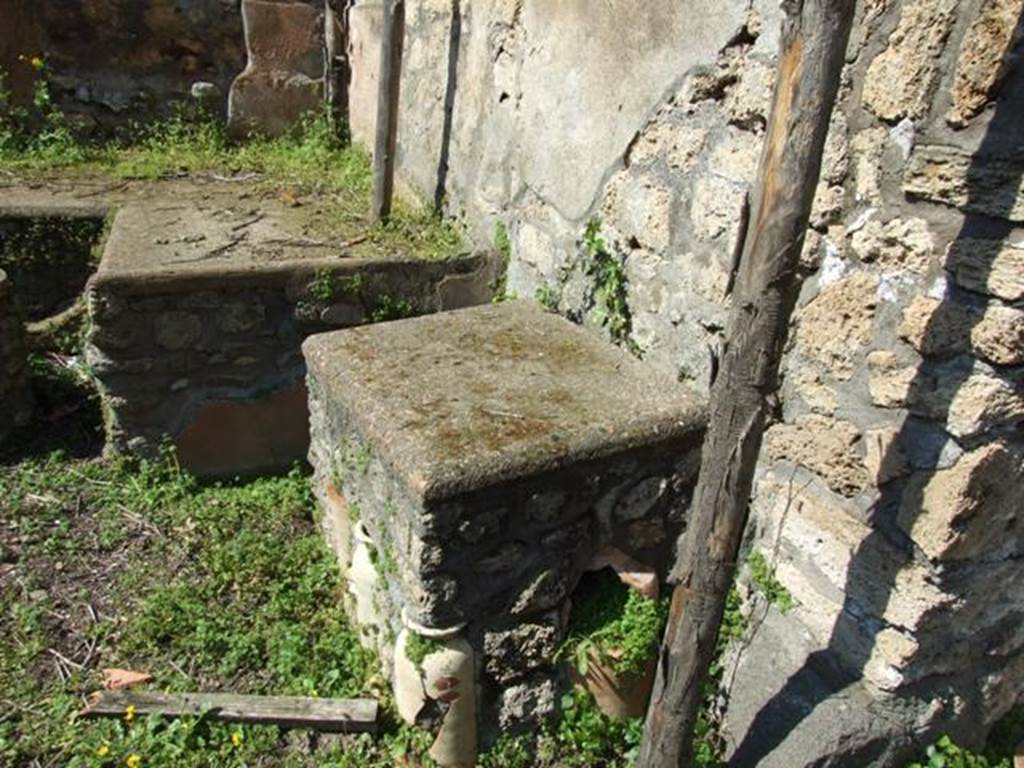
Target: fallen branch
x=235 y=179
x=248 y=222
x=64 y=659
x=104 y=190
x=215 y=252
x=308 y=242
x=329 y=715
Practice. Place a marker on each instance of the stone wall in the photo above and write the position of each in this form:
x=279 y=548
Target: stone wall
x=110 y=61
x=212 y=362
x=14 y=392
x=888 y=493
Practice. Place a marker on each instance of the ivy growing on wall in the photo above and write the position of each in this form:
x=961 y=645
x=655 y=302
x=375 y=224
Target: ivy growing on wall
x=611 y=294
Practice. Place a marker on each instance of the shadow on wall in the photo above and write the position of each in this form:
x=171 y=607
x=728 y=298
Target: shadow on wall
x=454 y=41
x=903 y=501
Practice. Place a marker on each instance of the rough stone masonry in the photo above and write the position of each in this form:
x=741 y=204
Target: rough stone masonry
x=111 y=62
x=486 y=455
x=200 y=304
x=888 y=496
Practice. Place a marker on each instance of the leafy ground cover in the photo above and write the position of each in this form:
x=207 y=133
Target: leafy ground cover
x=207 y=587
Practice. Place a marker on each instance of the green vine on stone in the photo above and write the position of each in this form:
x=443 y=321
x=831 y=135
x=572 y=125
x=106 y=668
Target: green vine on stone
x=611 y=287
x=762 y=576
x=503 y=245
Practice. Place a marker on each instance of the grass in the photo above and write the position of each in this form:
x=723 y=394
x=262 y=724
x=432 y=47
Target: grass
x=207 y=587
x=316 y=157
x=614 y=623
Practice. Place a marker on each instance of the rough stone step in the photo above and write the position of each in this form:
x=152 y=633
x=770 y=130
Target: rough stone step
x=487 y=455
x=205 y=290
x=198 y=309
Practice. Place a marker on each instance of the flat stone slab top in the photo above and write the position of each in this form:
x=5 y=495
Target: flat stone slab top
x=194 y=236
x=207 y=286
x=467 y=399
x=204 y=224
x=472 y=465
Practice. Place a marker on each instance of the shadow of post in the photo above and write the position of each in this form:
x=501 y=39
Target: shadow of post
x=443 y=163
x=988 y=209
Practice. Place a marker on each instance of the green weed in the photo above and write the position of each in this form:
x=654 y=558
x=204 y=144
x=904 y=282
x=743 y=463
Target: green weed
x=38 y=135
x=418 y=647
x=617 y=624
x=389 y=308
x=547 y=297
x=945 y=754
x=611 y=292
x=762 y=577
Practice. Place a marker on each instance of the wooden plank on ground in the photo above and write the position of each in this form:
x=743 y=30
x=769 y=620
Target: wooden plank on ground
x=330 y=715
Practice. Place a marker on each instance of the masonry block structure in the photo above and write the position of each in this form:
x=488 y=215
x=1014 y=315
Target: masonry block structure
x=198 y=309
x=485 y=456
x=888 y=498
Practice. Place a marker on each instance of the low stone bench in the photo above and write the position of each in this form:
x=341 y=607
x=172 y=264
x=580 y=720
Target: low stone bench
x=15 y=397
x=200 y=304
x=479 y=460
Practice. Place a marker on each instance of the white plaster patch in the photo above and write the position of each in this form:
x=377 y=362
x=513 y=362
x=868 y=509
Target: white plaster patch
x=939 y=288
x=902 y=135
x=861 y=220
x=890 y=284
x=832 y=267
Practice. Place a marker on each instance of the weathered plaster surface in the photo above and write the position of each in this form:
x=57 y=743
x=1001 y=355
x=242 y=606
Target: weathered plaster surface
x=903 y=391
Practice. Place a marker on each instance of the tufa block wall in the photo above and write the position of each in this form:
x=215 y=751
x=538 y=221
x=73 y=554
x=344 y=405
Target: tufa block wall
x=888 y=495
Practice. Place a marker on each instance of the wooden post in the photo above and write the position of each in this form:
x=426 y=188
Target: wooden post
x=388 y=91
x=813 y=47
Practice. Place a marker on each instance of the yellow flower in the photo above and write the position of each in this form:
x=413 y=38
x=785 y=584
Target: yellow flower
x=129 y=713
x=36 y=62
x=103 y=750
x=236 y=739
x=133 y=761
